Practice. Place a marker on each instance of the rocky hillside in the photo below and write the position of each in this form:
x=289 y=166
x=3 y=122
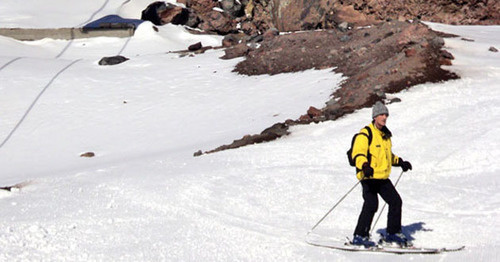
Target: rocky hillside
x=379 y=60
x=379 y=45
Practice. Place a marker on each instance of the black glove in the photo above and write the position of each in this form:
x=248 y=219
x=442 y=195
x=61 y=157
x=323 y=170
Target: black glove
x=367 y=170
x=405 y=165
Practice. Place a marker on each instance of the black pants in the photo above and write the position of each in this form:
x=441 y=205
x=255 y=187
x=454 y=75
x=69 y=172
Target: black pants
x=386 y=190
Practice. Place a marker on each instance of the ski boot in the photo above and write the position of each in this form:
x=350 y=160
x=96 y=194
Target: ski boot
x=362 y=241
x=398 y=239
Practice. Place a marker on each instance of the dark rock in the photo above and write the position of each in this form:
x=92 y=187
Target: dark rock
x=153 y=11
x=112 y=60
x=195 y=47
x=394 y=100
x=493 y=49
x=198 y=153
x=88 y=154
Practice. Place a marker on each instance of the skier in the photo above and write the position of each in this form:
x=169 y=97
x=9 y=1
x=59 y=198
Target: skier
x=373 y=159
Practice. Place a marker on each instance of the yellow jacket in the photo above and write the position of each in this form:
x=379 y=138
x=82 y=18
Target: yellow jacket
x=382 y=157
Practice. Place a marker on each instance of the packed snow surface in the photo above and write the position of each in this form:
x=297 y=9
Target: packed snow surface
x=144 y=197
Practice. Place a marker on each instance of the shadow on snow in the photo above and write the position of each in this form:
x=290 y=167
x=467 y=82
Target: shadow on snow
x=408 y=230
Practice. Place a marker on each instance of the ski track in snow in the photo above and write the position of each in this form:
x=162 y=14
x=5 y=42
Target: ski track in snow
x=144 y=197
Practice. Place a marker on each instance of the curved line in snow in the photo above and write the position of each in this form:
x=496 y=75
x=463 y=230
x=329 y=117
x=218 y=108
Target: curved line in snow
x=10 y=62
x=95 y=13
x=35 y=101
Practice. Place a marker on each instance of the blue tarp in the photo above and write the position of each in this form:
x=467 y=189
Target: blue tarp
x=113 y=21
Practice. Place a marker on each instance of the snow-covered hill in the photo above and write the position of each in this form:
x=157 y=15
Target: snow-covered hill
x=145 y=197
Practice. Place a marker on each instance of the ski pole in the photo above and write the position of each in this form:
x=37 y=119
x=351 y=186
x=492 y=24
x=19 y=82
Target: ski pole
x=331 y=209
x=382 y=210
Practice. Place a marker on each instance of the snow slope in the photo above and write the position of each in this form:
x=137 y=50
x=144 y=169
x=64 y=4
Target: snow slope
x=145 y=197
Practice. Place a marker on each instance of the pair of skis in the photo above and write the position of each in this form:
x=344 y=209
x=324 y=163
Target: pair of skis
x=320 y=241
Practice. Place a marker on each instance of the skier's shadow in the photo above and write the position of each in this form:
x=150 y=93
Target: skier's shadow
x=408 y=230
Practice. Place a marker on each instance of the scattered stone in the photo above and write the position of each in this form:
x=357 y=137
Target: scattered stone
x=394 y=100
x=467 y=39
x=112 y=60
x=16 y=187
x=198 y=153
x=493 y=49
x=88 y=154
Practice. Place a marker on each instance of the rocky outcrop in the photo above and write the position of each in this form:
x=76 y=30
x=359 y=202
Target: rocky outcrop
x=376 y=61
x=254 y=17
x=293 y=15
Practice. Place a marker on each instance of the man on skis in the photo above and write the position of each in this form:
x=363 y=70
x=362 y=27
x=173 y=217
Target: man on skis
x=373 y=159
